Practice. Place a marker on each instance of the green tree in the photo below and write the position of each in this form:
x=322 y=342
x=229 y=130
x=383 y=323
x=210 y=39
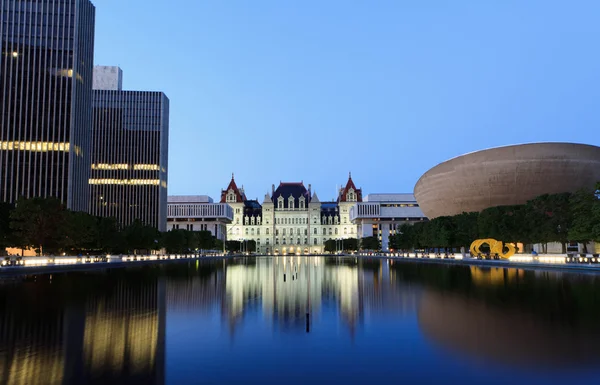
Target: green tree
x=218 y=244
x=174 y=241
x=550 y=218
x=5 y=230
x=81 y=232
x=205 y=240
x=350 y=244
x=139 y=236
x=330 y=246
x=583 y=204
x=596 y=214
x=233 y=246
x=110 y=239
x=39 y=223
x=370 y=243
x=250 y=246
x=466 y=230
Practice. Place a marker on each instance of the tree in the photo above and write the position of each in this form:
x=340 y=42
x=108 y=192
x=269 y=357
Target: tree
x=5 y=230
x=250 y=246
x=174 y=241
x=81 y=232
x=596 y=214
x=370 y=243
x=109 y=238
x=350 y=244
x=218 y=244
x=330 y=246
x=205 y=240
x=582 y=206
x=233 y=246
x=550 y=218
x=466 y=230
x=39 y=223
x=139 y=236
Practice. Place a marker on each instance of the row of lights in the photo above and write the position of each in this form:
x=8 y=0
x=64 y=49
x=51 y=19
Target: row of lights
x=124 y=166
x=34 y=146
x=152 y=182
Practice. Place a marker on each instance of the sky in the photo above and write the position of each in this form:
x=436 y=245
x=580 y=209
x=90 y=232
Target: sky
x=311 y=90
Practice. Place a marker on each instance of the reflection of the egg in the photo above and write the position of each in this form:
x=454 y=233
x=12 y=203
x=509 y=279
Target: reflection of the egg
x=506 y=335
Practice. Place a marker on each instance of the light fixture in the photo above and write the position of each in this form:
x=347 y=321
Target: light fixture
x=15 y=54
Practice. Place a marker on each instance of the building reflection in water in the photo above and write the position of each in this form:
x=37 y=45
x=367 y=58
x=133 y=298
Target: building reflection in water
x=515 y=317
x=60 y=332
x=110 y=327
x=289 y=287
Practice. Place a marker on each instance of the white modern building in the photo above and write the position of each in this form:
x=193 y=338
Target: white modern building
x=198 y=213
x=380 y=215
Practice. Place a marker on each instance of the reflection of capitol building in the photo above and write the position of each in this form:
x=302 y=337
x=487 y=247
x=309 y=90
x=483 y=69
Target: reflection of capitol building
x=289 y=287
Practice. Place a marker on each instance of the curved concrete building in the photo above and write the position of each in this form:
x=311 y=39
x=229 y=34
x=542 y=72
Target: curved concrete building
x=506 y=176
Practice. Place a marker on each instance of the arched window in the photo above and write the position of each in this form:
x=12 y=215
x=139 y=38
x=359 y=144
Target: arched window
x=283 y=231
x=330 y=231
x=246 y=231
x=252 y=231
x=324 y=231
x=315 y=231
x=336 y=231
x=315 y=241
x=267 y=230
x=305 y=231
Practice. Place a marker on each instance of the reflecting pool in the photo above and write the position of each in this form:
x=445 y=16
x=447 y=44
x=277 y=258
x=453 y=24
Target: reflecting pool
x=301 y=320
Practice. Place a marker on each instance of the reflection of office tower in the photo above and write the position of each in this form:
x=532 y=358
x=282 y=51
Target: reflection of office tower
x=129 y=152
x=29 y=342
x=45 y=99
x=115 y=335
x=124 y=335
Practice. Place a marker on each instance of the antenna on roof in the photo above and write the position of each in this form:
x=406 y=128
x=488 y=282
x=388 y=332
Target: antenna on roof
x=231 y=176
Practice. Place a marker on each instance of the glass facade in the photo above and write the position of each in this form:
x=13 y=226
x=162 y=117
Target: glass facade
x=129 y=156
x=46 y=68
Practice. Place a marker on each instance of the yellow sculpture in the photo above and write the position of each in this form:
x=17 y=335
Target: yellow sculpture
x=496 y=247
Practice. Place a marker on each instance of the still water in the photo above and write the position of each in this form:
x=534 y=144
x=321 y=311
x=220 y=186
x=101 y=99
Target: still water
x=245 y=321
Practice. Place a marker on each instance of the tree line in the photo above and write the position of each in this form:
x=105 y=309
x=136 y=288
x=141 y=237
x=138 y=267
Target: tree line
x=562 y=218
x=45 y=225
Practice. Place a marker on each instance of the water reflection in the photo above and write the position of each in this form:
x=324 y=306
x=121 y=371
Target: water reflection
x=113 y=326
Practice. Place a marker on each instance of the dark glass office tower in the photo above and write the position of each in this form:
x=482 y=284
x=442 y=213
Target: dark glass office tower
x=129 y=156
x=45 y=99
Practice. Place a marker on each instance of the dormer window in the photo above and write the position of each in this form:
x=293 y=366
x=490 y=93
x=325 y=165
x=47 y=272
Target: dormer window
x=230 y=196
x=302 y=203
x=291 y=202
x=351 y=196
x=280 y=202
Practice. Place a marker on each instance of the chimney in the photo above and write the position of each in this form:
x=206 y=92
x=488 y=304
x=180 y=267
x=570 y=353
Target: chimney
x=272 y=189
x=309 y=188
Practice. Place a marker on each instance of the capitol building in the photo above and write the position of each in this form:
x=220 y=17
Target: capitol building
x=292 y=219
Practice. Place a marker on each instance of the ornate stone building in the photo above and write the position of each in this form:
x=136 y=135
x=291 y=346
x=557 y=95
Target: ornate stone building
x=292 y=219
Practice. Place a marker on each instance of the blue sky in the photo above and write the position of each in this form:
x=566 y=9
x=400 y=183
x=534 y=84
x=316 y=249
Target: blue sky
x=310 y=90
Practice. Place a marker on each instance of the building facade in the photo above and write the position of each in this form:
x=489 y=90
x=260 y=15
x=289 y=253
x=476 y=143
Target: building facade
x=45 y=99
x=129 y=152
x=381 y=215
x=198 y=213
x=292 y=219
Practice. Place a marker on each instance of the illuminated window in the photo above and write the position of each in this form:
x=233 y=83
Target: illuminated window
x=151 y=167
x=140 y=182
x=34 y=146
